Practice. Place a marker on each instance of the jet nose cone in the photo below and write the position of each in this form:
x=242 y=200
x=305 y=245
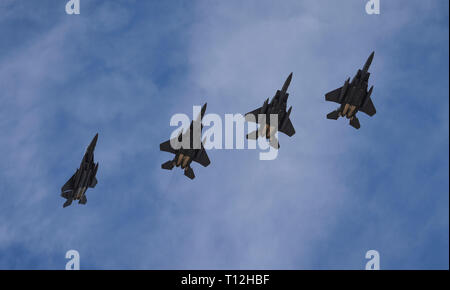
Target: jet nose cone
x=287 y=83
x=94 y=141
x=289 y=78
x=203 y=110
x=369 y=61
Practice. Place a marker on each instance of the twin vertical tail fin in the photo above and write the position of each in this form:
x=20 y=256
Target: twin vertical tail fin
x=274 y=142
x=354 y=122
x=83 y=200
x=189 y=172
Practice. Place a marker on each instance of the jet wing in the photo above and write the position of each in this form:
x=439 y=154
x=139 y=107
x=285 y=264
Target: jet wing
x=165 y=146
x=368 y=107
x=202 y=158
x=254 y=113
x=69 y=184
x=93 y=182
x=333 y=96
x=288 y=129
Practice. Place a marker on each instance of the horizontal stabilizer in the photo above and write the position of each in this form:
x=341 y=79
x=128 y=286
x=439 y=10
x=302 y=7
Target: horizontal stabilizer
x=68 y=202
x=168 y=165
x=333 y=115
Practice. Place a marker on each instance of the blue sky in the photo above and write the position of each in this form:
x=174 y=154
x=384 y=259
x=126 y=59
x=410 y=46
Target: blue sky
x=123 y=68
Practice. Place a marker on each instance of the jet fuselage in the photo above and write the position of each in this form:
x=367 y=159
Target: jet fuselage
x=75 y=188
x=354 y=94
x=277 y=106
x=194 y=151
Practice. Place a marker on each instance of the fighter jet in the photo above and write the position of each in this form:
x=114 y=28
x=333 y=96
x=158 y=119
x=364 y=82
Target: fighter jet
x=185 y=156
x=75 y=188
x=353 y=96
x=276 y=106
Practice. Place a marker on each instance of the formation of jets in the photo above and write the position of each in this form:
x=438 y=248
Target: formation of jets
x=352 y=97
